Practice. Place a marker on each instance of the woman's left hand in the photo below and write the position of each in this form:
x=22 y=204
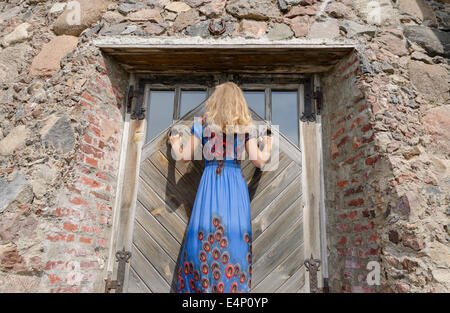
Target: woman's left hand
x=174 y=139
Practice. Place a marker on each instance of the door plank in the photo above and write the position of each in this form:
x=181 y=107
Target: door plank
x=157 y=231
x=279 y=183
x=283 y=201
x=147 y=272
x=135 y=284
x=282 y=272
x=166 y=190
x=159 y=259
x=277 y=252
x=161 y=211
x=184 y=183
x=266 y=177
x=192 y=166
x=295 y=283
x=272 y=234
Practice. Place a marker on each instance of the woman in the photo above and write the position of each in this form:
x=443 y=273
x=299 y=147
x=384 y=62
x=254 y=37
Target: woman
x=216 y=253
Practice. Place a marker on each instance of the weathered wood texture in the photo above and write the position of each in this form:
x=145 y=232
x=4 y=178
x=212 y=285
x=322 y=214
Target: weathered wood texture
x=258 y=58
x=165 y=198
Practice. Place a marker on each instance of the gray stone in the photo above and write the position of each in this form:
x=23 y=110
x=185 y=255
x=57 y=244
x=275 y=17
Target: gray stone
x=196 y=3
x=130 y=29
x=202 y=29
x=283 y=5
x=279 y=32
x=253 y=9
x=432 y=190
x=10 y=13
x=61 y=135
x=403 y=206
x=11 y=191
x=354 y=29
x=114 y=29
x=393 y=99
x=366 y=67
x=293 y=2
x=387 y=68
x=434 y=41
x=443 y=20
x=126 y=8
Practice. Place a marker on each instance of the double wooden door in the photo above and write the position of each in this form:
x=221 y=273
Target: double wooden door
x=165 y=196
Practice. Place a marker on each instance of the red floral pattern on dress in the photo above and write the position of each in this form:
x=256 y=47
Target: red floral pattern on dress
x=221 y=270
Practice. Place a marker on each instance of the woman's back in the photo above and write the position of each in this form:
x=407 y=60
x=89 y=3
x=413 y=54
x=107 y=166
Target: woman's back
x=220 y=147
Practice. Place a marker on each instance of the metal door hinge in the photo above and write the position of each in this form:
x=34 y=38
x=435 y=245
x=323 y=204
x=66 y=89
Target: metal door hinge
x=130 y=98
x=122 y=257
x=308 y=114
x=318 y=100
x=139 y=110
x=312 y=266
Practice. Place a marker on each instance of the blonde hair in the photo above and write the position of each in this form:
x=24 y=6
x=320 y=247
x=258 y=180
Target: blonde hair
x=227 y=107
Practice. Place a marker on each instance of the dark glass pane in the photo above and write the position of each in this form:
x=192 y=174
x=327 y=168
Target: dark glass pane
x=256 y=101
x=190 y=99
x=160 y=112
x=285 y=113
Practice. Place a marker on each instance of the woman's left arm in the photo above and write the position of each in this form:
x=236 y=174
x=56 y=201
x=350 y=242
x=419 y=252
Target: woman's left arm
x=186 y=153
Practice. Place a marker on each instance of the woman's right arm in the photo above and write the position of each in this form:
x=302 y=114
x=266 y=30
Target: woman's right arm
x=259 y=157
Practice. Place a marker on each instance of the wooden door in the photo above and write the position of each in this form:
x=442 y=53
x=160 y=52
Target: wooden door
x=166 y=193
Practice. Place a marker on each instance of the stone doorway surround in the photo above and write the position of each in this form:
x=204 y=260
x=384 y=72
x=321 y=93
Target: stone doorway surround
x=141 y=57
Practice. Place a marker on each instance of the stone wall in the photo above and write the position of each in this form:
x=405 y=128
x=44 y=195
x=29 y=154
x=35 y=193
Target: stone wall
x=351 y=159
x=386 y=179
x=61 y=127
x=386 y=132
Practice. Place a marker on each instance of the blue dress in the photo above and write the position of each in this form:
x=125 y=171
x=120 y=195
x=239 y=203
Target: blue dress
x=216 y=254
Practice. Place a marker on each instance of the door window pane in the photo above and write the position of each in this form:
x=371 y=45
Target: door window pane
x=190 y=99
x=256 y=101
x=285 y=113
x=160 y=112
